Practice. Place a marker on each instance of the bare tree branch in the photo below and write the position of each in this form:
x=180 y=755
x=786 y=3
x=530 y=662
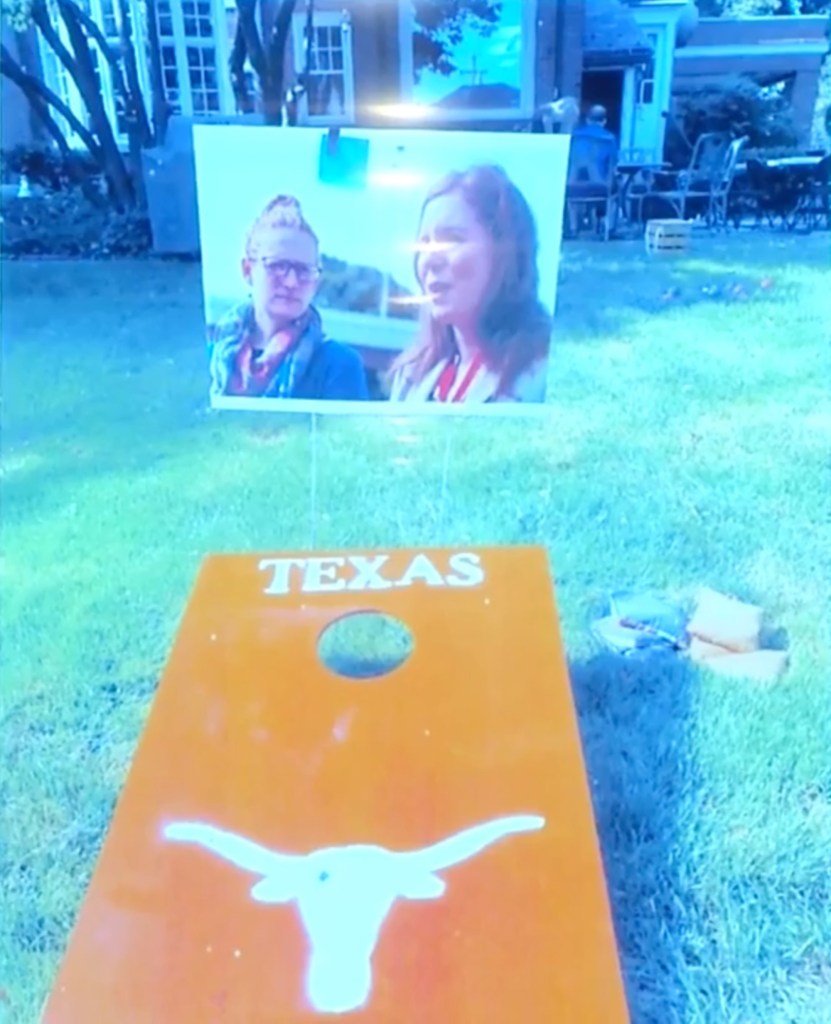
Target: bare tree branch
x=134 y=97
x=113 y=163
x=37 y=92
x=40 y=16
x=161 y=107
x=247 y=10
x=110 y=55
x=236 y=68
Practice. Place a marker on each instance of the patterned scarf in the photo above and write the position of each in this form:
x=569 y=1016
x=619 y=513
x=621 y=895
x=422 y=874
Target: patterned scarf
x=242 y=365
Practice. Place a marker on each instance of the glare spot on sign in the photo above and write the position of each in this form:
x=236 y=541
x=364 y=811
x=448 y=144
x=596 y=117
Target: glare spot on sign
x=341 y=728
x=402 y=110
x=423 y=248
x=396 y=179
x=237 y=953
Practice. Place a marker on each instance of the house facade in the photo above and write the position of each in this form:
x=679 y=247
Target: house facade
x=373 y=62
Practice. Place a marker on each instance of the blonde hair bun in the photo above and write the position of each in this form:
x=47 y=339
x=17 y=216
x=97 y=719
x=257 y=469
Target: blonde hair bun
x=281 y=212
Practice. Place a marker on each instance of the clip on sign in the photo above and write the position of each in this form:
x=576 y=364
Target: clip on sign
x=293 y=844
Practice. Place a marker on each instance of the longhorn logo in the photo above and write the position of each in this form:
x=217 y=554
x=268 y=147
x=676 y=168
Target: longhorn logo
x=344 y=894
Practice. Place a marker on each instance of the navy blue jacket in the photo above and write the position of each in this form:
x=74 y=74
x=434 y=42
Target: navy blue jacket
x=335 y=371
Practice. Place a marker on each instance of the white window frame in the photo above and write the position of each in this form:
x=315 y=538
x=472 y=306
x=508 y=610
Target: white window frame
x=222 y=49
x=527 y=61
x=326 y=19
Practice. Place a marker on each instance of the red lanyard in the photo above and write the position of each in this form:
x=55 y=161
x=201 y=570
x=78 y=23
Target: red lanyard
x=448 y=379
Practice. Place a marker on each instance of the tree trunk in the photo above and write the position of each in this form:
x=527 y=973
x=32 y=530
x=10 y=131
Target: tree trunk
x=134 y=95
x=138 y=129
x=274 y=98
x=115 y=171
x=161 y=108
x=236 y=68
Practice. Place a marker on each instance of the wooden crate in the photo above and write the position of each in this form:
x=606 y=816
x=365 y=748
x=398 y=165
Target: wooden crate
x=668 y=237
x=291 y=844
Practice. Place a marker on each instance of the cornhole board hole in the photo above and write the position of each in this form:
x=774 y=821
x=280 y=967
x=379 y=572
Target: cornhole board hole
x=293 y=844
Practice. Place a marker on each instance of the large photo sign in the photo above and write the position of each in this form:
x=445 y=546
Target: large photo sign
x=379 y=270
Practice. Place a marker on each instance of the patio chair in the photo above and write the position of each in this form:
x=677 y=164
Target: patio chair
x=722 y=184
x=690 y=192
x=592 y=182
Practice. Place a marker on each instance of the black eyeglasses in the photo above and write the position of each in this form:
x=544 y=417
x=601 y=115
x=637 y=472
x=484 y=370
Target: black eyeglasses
x=304 y=272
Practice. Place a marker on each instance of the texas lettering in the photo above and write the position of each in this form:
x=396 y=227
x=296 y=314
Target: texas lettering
x=368 y=572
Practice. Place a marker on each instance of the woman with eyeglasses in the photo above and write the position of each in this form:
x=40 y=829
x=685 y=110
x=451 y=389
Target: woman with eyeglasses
x=273 y=345
x=484 y=334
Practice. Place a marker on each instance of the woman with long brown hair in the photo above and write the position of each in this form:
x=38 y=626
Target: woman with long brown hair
x=484 y=334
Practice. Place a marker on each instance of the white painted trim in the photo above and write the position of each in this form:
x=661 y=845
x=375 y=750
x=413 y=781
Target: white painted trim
x=138 y=14
x=528 y=61
x=661 y=20
x=787 y=48
x=627 y=110
x=771 y=19
x=222 y=47
x=180 y=49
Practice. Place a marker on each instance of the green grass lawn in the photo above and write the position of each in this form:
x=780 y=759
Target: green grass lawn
x=688 y=443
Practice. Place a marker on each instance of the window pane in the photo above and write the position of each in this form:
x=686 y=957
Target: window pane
x=467 y=55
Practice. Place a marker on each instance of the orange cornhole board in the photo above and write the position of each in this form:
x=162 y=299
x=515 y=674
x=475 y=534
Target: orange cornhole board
x=292 y=845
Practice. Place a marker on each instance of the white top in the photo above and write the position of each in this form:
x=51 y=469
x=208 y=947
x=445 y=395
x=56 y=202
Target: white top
x=530 y=386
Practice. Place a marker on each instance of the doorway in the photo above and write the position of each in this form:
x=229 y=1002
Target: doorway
x=604 y=86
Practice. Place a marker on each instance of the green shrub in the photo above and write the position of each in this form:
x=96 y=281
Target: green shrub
x=66 y=224
x=737 y=105
x=45 y=166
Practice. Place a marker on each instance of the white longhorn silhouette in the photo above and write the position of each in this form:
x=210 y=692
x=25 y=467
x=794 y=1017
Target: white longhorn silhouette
x=344 y=894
